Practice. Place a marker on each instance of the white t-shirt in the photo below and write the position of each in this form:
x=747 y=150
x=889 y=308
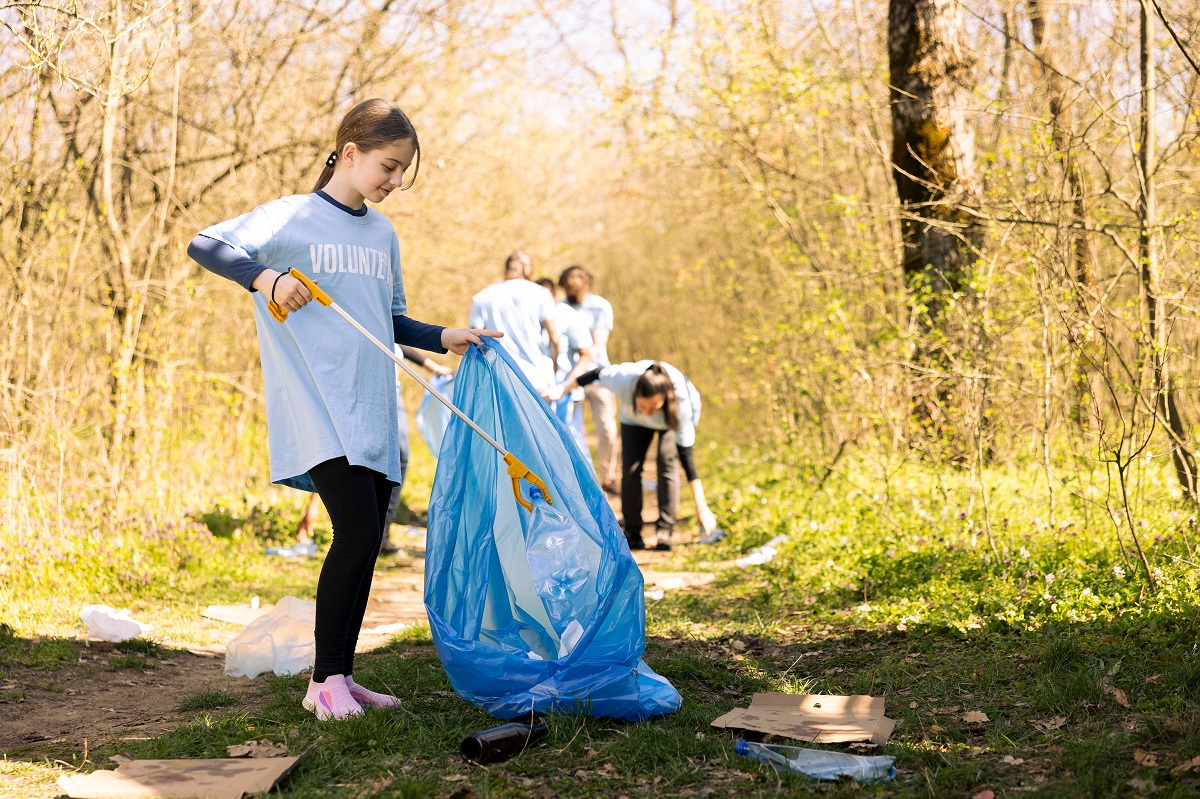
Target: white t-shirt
x=329 y=391
x=517 y=309
x=574 y=335
x=599 y=314
x=621 y=379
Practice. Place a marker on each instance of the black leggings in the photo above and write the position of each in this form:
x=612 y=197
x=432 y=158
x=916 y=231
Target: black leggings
x=357 y=500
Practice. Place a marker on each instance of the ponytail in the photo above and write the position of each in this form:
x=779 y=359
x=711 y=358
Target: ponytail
x=326 y=175
x=655 y=382
x=370 y=125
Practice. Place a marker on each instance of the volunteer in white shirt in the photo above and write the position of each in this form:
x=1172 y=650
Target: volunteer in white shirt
x=521 y=309
x=576 y=283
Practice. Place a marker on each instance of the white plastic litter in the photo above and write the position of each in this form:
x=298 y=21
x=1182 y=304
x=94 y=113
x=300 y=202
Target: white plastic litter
x=386 y=629
x=301 y=549
x=655 y=593
x=109 y=624
x=764 y=554
x=281 y=641
x=820 y=764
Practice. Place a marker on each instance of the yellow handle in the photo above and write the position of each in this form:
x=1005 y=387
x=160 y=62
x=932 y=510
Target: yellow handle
x=281 y=314
x=518 y=472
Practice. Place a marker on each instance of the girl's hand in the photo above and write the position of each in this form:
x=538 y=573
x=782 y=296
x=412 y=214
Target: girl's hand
x=459 y=340
x=708 y=521
x=554 y=393
x=287 y=292
x=438 y=369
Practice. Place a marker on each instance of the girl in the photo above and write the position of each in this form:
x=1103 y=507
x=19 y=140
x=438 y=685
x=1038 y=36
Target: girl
x=655 y=397
x=330 y=394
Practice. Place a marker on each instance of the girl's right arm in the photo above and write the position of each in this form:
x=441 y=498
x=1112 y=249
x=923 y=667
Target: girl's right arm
x=229 y=262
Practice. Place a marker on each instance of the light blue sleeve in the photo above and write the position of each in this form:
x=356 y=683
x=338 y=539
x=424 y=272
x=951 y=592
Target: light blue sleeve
x=251 y=233
x=399 y=301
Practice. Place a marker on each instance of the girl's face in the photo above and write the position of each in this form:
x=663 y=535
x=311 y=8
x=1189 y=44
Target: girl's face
x=648 y=406
x=377 y=173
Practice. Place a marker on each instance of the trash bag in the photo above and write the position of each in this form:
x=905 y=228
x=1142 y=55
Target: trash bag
x=538 y=611
x=281 y=641
x=432 y=415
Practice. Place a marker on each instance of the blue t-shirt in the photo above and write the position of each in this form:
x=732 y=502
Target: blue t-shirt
x=329 y=391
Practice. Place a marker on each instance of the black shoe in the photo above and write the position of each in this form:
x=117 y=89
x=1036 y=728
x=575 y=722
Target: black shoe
x=635 y=543
x=388 y=547
x=662 y=546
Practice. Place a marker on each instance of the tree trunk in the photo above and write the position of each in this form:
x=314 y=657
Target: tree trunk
x=1148 y=235
x=933 y=148
x=1062 y=132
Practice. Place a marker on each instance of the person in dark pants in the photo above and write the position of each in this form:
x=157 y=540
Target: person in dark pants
x=656 y=398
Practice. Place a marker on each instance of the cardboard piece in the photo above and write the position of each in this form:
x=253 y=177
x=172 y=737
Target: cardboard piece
x=180 y=779
x=813 y=718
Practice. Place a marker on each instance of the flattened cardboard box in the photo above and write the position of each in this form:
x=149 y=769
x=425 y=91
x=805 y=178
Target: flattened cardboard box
x=813 y=718
x=180 y=779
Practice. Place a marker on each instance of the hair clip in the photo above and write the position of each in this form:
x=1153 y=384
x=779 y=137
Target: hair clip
x=332 y=159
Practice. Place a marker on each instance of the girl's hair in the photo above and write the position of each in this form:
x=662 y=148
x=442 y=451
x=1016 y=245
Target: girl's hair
x=655 y=382
x=370 y=125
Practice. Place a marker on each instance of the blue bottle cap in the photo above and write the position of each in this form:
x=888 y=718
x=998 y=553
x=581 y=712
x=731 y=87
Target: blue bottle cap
x=741 y=748
x=536 y=493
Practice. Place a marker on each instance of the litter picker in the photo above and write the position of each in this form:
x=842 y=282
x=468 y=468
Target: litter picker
x=516 y=470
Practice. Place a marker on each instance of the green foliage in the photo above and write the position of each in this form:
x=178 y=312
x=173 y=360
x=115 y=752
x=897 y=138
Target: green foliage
x=267 y=522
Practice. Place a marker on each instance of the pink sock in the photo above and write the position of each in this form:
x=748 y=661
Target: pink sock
x=331 y=699
x=373 y=698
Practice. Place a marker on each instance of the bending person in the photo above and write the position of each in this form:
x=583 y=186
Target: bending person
x=655 y=398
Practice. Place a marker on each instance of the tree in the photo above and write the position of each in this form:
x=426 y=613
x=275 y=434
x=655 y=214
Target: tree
x=933 y=148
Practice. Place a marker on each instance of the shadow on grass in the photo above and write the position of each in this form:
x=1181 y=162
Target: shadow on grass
x=1068 y=705
x=1057 y=726
x=62 y=697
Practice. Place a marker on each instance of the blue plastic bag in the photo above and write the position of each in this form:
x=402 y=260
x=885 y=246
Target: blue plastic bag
x=531 y=612
x=433 y=416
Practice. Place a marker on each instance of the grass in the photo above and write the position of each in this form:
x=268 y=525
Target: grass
x=887 y=586
x=208 y=699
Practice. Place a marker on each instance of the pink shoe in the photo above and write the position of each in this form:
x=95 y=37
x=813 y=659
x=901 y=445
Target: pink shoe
x=372 y=698
x=331 y=699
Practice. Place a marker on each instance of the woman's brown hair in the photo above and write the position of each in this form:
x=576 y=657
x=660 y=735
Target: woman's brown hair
x=655 y=382
x=370 y=125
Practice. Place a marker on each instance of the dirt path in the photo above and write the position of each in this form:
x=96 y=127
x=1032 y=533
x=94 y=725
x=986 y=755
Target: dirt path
x=106 y=694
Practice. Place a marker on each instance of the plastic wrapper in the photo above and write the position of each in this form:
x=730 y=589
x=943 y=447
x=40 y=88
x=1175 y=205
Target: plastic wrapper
x=109 y=624
x=281 y=642
x=432 y=416
x=541 y=611
x=819 y=763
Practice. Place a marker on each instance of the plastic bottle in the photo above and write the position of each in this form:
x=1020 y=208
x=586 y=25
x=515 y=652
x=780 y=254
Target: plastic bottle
x=557 y=553
x=819 y=764
x=500 y=743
